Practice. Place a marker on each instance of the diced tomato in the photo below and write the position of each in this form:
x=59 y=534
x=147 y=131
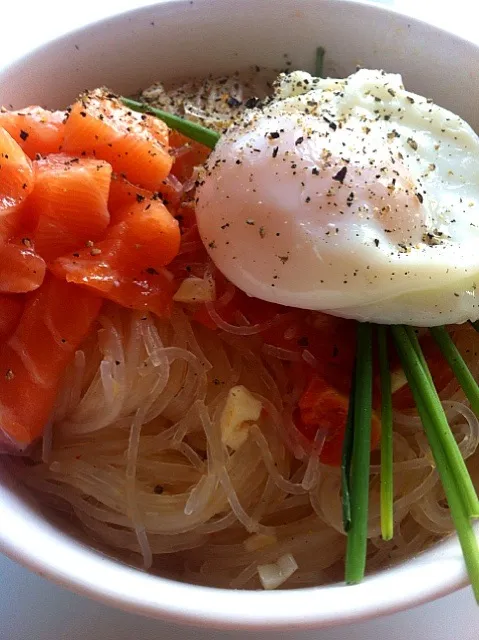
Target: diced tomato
x=322 y=408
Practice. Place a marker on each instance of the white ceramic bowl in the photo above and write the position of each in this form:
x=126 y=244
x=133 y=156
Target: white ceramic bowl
x=197 y=37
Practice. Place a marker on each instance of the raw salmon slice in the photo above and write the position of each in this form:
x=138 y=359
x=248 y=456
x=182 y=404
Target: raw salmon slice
x=149 y=234
x=136 y=145
x=127 y=267
x=187 y=155
x=105 y=273
x=70 y=199
x=36 y=130
x=11 y=308
x=16 y=182
x=21 y=268
x=123 y=193
x=54 y=322
x=145 y=238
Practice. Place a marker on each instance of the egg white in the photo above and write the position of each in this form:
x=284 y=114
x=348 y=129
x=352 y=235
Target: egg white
x=349 y=196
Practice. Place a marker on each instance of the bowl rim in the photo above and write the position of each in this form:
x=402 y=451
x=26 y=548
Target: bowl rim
x=138 y=592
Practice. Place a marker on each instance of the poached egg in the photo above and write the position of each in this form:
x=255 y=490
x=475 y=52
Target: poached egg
x=353 y=197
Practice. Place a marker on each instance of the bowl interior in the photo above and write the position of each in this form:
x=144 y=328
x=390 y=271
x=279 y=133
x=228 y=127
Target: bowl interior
x=182 y=38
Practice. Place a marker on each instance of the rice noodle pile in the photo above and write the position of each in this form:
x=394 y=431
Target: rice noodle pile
x=136 y=454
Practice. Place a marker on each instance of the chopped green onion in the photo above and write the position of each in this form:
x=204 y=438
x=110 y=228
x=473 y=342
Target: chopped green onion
x=346 y=460
x=359 y=488
x=437 y=427
x=318 y=69
x=460 y=517
x=457 y=364
x=412 y=335
x=387 y=492
x=194 y=131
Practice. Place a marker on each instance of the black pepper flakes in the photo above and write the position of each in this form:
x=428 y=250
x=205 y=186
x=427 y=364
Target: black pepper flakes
x=251 y=103
x=332 y=125
x=412 y=143
x=275 y=152
x=233 y=102
x=339 y=177
x=23 y=135
x=392 y=134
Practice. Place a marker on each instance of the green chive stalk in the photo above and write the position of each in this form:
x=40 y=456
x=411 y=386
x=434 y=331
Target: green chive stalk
x=437 y=427
x=359 y=487
x=387 y=480
x=346 y=461
x=460 y=517
x=457 y=364
x=190 y=129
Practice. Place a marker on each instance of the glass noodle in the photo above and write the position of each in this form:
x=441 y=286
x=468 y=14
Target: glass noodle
x=136 y=455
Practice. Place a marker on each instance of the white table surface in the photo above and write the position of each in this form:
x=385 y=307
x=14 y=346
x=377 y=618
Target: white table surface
x=32 y=608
